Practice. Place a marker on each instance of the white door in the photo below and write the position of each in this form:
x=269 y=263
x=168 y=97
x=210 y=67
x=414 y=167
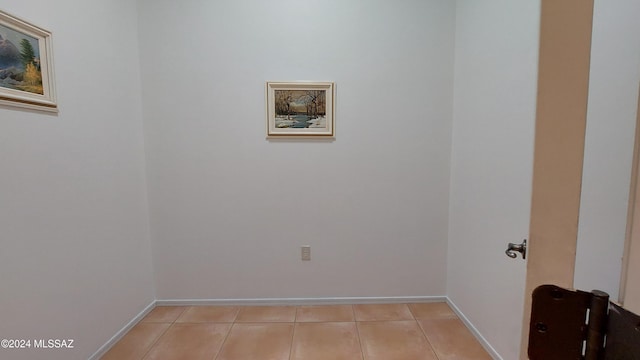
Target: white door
x=492 y=161
x=501 y=99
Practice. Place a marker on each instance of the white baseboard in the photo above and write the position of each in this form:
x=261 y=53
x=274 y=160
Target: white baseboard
x=481 y=339
x=109 y=344
x=303 y=301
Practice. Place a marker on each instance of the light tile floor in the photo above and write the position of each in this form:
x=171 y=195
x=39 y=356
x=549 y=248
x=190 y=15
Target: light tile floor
x=429 y=331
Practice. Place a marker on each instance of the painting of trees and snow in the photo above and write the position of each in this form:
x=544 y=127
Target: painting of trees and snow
x=300 y=109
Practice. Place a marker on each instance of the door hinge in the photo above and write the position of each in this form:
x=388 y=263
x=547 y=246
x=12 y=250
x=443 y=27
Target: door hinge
x=569 y=324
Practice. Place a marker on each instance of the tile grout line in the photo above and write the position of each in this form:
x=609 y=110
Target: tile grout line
x=155 y=342
x=231 y=325
x=353 y=310
x=428 y=341
x=224 y=341
x=161 y=335
x=424 y=334
x=360 y=340
x=293 y=333
x=184 y=311
x=411 y=311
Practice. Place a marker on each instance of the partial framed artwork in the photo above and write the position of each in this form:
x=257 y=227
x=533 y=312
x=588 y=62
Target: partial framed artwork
x=26 y=65
x=302 y=109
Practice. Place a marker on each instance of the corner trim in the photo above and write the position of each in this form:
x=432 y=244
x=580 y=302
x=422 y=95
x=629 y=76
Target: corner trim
x=122 y=332
x=481 y=339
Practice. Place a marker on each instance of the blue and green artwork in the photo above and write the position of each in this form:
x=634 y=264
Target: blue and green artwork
x=20 y=66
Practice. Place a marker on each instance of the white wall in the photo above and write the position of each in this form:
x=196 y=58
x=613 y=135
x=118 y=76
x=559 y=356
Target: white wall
x=492 y=160
x=75 y=258
x=231 y=209
x=611 y=121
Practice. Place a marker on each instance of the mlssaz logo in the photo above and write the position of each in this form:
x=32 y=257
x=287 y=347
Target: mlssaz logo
x=53 y=344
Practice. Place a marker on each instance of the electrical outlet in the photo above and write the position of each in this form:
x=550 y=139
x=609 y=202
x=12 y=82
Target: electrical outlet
x=306 y=253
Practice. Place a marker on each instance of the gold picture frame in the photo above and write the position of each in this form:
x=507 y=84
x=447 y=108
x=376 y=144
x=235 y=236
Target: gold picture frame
x=26 y=65
x=300 y=109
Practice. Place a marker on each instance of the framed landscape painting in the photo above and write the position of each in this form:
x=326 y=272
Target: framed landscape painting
x=304 y=109
x=26 y=65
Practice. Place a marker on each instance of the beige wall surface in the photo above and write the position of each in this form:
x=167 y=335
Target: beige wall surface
x=563 y=81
